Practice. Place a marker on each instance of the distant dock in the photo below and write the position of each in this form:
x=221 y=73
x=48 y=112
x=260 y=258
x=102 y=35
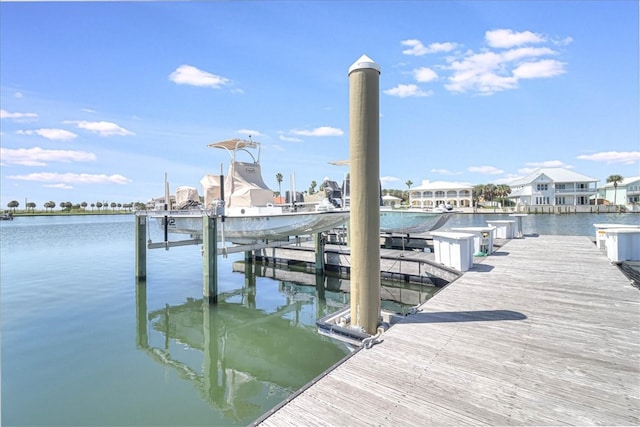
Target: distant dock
x=545 y=331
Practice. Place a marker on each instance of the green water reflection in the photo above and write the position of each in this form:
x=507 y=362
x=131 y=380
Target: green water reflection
x=251 y=359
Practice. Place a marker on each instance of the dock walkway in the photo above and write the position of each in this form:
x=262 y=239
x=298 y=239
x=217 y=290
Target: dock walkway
x=544 y=332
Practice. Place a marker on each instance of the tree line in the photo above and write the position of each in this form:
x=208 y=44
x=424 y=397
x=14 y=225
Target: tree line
x=68 y=206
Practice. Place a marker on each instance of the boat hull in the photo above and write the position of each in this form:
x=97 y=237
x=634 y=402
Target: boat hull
x=251 y=228
x=410 y=221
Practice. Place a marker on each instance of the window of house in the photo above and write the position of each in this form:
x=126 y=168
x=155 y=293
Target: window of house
x=542 y=187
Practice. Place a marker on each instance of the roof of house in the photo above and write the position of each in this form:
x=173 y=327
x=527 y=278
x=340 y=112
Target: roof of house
x=555 y=174
x=624 y=182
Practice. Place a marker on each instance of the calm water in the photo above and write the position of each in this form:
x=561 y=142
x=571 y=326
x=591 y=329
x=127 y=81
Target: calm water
x=84 y=344
x=565 y=225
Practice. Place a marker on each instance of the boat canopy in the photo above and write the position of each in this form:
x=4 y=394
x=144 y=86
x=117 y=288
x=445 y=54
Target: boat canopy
x=236 y=144
x=243 y=187
x=186 y=195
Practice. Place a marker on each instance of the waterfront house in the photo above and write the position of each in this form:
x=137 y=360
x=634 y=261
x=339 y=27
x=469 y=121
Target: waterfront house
x=430 y=195
x=626 y=193
x=556 y=187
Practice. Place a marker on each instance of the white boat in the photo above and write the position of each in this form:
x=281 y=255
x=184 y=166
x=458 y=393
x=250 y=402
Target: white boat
x=407 y=221
x=392 y=220
x=244 y=204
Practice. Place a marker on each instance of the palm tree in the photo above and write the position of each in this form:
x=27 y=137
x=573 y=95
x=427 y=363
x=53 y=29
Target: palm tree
x=279 y=179
x=476 y=193
x=502 y=191
x=83 y=205
x=312 y=187
x=615 y=179
x=32 y=206
x=489 y=192
x=405 y=196
x=13 y=205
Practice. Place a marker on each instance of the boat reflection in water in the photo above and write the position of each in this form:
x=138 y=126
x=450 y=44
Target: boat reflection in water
x=259 y=344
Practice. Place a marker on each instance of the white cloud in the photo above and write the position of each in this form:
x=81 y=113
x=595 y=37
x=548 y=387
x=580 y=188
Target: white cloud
x=289 y=138
x=37 y=156
x=513 y=55
x=4 y=114
x=52 y=134
x=321 y=131
x=72 y=178
x=387 y=180
x=59 y=186
x=526 y=171
x=489 y=72
x=505 y=38
x=418 y=49
x=508 y=57
x=189 y=75
x=548 y=164
x=404 y=91
x=102 y=128
x=624 y=157
x=563 y=42
x=539 y=69
x=249 y=132
x=445 y=172
x=486 y=170
x=424 y=75
x=18 y=95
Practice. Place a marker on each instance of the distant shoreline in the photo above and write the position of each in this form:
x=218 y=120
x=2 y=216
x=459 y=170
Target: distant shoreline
x=58 y=213
x=466 y=211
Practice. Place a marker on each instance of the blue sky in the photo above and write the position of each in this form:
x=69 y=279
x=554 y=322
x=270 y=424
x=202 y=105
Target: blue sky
x=99 y=100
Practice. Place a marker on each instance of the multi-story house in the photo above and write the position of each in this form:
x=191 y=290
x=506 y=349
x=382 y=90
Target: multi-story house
x=553 y=187
x=430 y=195
x=626 y=193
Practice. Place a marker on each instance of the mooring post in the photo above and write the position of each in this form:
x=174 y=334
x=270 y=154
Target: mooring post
x=364 y=221
x=319 y=247
x=210 y=258
x=141 y=246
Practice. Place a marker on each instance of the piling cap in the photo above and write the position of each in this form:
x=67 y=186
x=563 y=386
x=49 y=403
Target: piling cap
x=364 y=62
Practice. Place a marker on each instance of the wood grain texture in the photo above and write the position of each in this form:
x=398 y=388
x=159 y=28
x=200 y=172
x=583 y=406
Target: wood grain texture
x=544 y=332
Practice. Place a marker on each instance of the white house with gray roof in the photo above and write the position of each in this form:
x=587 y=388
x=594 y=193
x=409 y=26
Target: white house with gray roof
x=553 y=187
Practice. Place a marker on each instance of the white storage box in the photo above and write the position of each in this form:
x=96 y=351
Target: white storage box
x=623 y=244
x=505 y=229
x=482 y=238
x=454 y=249
x=601 y=230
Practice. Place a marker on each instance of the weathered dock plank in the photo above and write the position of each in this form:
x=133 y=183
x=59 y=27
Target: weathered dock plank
x=544 y=332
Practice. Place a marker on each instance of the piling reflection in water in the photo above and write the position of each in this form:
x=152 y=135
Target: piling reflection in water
x=250 y=359
x=242 y=359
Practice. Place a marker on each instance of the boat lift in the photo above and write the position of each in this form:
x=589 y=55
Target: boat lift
x=210 y=249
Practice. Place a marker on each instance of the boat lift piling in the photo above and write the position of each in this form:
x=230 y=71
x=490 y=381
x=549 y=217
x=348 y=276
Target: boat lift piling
x=364 y=222
x=141 y=248
x=210 y=258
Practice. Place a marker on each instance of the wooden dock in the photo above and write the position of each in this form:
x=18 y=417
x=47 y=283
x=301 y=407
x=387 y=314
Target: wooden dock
x=544 y=332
